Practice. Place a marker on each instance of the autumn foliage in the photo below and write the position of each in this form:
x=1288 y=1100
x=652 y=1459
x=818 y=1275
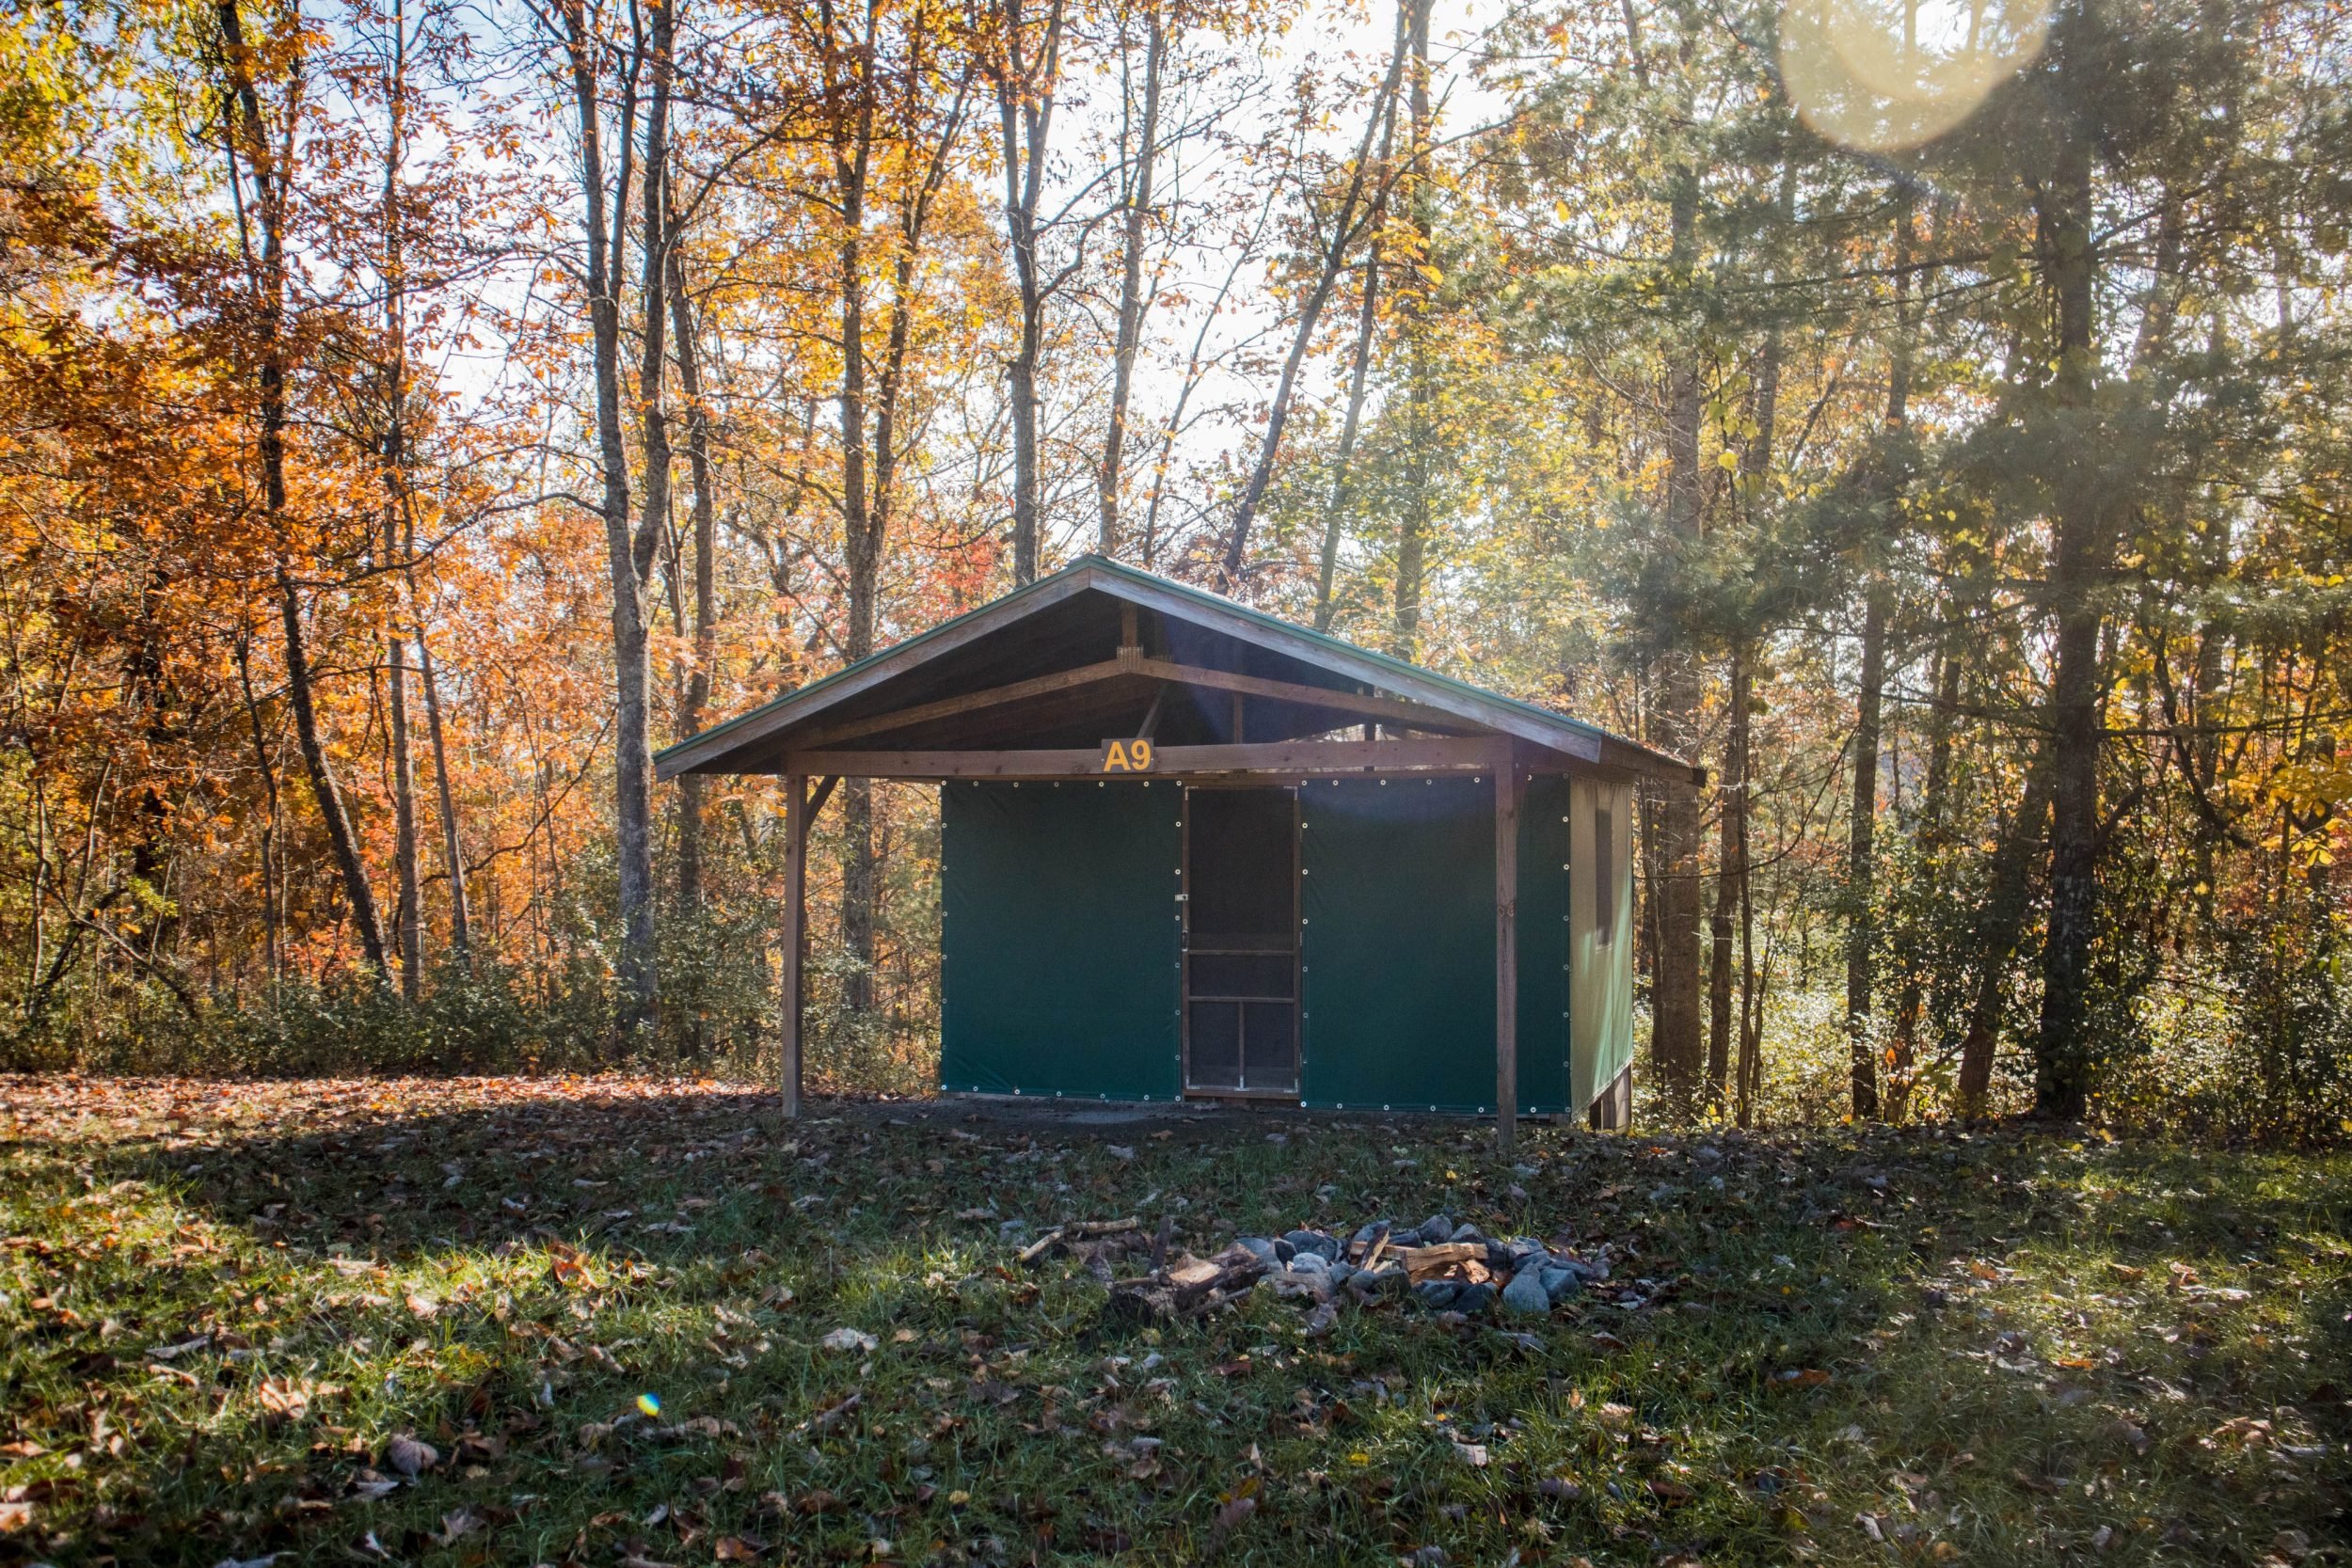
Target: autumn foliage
x=413 y=416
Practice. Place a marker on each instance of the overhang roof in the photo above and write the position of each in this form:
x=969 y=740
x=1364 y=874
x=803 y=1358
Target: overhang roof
x=1044 y=662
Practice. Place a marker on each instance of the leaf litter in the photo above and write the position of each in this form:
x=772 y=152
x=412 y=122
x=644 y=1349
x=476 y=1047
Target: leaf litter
x=388 y=1319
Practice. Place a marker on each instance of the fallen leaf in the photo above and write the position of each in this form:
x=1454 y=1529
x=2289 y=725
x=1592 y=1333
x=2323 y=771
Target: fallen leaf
x=286 y=1396
x=849 y=1340
x=409 y=1456
x=1231 y=1512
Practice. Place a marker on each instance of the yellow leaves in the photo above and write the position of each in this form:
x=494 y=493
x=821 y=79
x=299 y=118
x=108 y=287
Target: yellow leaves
x=2315 y=785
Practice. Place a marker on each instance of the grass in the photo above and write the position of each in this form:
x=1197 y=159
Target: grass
x=230 y=1311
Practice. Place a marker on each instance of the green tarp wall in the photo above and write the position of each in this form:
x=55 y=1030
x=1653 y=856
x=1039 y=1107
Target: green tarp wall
x=1058 y=945
x=1060 y=941
x=1399 y=945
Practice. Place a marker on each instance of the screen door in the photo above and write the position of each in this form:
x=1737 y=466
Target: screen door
x=1241 y=942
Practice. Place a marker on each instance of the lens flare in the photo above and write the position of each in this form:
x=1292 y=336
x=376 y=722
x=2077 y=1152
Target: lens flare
x=649 y=1403
x=1882 y=75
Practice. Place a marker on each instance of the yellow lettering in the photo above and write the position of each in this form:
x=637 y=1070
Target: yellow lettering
x=1141 y=751
x=1115 y=761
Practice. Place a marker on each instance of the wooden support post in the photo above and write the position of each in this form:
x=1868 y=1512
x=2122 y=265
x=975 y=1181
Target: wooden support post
x=1506 y=956
x=795 y=939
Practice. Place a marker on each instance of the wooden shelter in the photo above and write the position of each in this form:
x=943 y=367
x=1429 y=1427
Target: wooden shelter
x=1190 y=850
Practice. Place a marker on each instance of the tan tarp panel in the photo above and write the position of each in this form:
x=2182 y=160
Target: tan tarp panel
x=1601 y=937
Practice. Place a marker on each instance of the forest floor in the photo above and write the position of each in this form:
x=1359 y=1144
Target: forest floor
x=587 y=1321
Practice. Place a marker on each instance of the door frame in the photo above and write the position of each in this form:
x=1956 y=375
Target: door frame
x=1183 y=952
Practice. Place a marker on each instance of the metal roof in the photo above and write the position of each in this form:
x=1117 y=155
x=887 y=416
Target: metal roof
x=1014 y=635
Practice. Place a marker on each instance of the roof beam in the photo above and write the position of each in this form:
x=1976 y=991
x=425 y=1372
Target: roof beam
x=1463 y=707
x=1292 y=757
x=743 y=730
x=1393 y=709
x=971 y=701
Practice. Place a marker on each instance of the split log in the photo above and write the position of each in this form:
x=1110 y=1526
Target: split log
x=1429 y=1263
x=1191 y=1289
x=1075 y=1230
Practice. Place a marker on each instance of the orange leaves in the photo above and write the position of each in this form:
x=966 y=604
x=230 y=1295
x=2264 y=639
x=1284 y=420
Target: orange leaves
x=568 y=1267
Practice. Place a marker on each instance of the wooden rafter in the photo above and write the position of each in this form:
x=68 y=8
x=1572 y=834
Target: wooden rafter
x=1394 y=709
x=1294 y=757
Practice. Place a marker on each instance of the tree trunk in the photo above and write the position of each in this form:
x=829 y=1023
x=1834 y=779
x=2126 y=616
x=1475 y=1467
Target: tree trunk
x=1861 y=835
x=269 y=178
x=1343 y=476
x=2002 y=922
x=452 y=853
x=690 y=807
x=1751 y=1001
x=1862 y=825
x=411 y=908
x=1112 y=477
x=324 y=788
x=1025 y=108
x=1674 y=1043
x=853 y=132
x=2078 y=565
x=1346 y=225
x=271 y=818
x=869 y=458
x=1417 y=512
x=1911 y=998
x=411 y=920
x=1731 y=873
x=629 y=556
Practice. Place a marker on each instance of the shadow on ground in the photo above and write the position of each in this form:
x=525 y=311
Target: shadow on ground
x=232 y=1306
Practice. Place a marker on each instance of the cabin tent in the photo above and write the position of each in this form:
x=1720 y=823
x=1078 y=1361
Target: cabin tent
x=1191 y=851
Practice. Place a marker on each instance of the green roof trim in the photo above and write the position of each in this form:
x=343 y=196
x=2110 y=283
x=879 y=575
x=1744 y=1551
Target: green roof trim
x=1149 y=583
